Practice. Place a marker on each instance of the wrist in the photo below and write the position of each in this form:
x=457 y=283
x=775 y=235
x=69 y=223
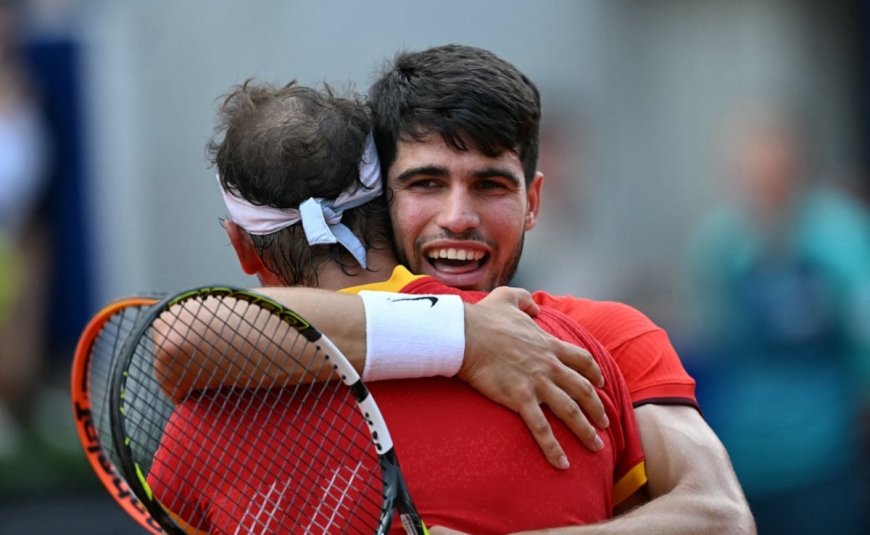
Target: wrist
x=472 y=340
x=412 y=336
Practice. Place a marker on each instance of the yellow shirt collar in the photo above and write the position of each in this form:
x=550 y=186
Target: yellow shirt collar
x=400 y=278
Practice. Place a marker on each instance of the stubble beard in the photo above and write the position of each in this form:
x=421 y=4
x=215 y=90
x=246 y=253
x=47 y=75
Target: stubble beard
x=507 y=275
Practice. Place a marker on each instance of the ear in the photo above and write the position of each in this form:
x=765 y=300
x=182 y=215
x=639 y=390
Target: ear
x=247 y=255
x=533 y=201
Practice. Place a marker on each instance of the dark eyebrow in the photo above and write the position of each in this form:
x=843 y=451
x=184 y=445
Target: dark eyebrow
x=428 y=170
x=498 y=172
x=437 y=171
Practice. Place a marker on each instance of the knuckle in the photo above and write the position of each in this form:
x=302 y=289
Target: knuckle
x=572 y=410
x=579 y=352
x=548 y=366
x=540 y=427
x=524 y=395
x=588 y=398
x=585 y=389
x=539 y=376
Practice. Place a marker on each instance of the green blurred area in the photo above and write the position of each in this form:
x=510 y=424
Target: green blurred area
x=47 y=456
x=46 y=483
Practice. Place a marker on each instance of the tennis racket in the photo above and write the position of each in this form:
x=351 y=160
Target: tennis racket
x=233 y=414
x=98 y=345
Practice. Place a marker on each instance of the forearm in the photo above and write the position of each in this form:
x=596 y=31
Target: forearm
x=681 y=511
x=341 y=317
x=691 y=483
x=219 y=337
x=434 y=347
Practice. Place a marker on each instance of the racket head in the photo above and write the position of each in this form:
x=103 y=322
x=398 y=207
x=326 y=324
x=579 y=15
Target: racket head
x=306 y=449
x=97 y=347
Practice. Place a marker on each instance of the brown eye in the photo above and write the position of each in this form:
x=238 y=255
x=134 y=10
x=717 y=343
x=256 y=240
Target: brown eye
x=492 y=186
x=425 y=184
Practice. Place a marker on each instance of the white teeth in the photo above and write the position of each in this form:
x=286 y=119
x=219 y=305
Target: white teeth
x=455 y=254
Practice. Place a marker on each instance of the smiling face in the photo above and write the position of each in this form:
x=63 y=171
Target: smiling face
x=460 y=216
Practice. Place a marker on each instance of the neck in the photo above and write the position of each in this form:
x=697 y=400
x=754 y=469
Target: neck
x=380 y=266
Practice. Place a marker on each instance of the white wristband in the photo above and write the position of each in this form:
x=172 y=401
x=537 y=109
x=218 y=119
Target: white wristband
x=410 y=336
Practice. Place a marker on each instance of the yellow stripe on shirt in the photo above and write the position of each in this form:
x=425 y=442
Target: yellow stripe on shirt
x=630 y=483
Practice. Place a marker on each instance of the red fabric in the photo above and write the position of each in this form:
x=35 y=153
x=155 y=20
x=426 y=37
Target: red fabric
x=470 y=464
x=294 y=461
x=641 y=349
x=493 y=466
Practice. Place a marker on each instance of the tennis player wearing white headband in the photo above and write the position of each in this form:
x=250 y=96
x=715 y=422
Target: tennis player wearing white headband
x=438 y=338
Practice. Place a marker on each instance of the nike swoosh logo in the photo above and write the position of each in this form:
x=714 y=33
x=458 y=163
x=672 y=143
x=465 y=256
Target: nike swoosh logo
x=429 y=298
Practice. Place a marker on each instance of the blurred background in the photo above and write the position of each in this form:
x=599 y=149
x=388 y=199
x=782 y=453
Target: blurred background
x=705 y=161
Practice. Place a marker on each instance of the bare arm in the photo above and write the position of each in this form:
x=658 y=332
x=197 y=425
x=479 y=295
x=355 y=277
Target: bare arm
x=691 y=481
x=508 y=358
x=189 y=355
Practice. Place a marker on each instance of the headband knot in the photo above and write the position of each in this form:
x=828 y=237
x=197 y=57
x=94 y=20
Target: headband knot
x=321 y=218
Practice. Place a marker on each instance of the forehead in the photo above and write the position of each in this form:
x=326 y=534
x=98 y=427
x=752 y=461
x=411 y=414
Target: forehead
x=433 y=151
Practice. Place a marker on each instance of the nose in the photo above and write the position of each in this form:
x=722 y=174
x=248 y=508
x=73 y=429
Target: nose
x=458 y=212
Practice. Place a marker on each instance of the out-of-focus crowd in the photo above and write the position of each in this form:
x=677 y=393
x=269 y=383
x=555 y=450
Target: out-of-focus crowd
x=777 y=311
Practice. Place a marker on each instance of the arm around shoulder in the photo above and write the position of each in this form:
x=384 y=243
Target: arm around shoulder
x=691 y=483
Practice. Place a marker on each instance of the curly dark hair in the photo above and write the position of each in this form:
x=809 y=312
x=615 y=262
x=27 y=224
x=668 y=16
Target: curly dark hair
x=278 y=146
x=466 y=95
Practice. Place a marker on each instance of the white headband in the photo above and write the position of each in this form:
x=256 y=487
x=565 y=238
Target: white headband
x=321 y=218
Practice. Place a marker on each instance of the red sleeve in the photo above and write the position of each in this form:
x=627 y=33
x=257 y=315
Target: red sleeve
x=641 y=349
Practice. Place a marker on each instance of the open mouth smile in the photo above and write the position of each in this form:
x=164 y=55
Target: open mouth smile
x=456 y=259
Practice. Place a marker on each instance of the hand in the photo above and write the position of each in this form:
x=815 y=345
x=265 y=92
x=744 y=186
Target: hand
x=515 y=363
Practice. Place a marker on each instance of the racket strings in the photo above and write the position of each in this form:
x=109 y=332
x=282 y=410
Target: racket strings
x=271 y=360
x=106 y=346
x=281 y=447
x=240 y=327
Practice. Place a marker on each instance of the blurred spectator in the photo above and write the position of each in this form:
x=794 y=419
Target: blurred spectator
x=776 y=278
x=23 y=238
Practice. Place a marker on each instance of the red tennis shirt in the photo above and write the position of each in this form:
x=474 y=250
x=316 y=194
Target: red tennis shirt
x=470 y=464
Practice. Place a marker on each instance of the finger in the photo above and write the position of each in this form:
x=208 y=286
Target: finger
x=580 y=360
x=581 y=394
x=537 y=423
x=518 y=297
x=524 y=300
x=568 y=411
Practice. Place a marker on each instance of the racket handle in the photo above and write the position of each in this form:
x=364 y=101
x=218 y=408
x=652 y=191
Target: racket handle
x=413 y=525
